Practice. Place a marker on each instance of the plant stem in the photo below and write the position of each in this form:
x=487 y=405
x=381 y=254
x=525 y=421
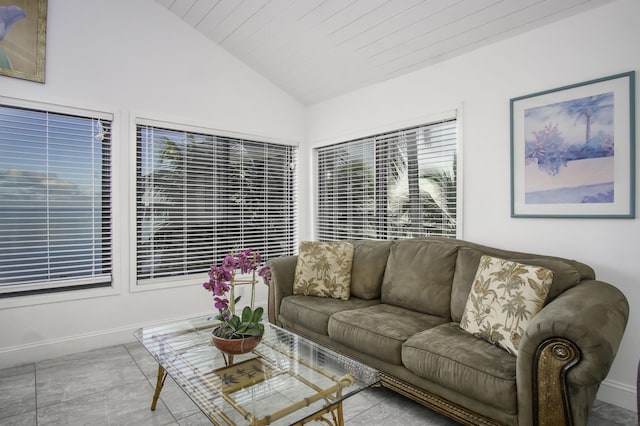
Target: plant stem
x=232 y=302
x=253 y=285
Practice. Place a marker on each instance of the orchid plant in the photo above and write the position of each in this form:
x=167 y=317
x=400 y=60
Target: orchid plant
x=222 y=280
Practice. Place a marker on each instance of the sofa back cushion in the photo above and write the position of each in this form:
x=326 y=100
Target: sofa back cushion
x=419 y=276
x=369 y=263
x=565 y=276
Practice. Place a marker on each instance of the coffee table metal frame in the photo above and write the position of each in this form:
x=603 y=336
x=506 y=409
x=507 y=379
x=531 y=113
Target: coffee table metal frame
x=184 y=351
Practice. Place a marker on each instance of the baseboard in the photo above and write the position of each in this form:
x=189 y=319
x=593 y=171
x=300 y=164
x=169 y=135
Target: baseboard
x=54 y=348
x=618 y=394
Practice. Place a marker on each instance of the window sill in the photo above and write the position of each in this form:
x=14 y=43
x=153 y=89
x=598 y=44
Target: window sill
x=164 y=283
x=63 y=296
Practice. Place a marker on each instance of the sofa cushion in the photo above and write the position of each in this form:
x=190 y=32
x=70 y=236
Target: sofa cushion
x=565 y=276
x=419 y=276
x=379 y=330
x=324 y=269
x=313 y=312
x=369 y=262
x=452 y=358
x=505 y=295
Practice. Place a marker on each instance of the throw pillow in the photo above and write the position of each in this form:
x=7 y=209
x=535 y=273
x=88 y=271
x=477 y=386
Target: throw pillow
x=505 y=295
x=324 y=269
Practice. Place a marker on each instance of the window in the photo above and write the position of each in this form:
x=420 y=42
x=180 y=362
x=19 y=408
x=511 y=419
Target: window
x=390 y=186
x=55 y=200
x=201 y=196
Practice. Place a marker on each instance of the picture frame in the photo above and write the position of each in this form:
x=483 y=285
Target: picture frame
x=573 y=150
x=23 y=39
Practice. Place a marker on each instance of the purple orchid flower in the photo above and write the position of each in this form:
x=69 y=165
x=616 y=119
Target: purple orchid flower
x=221 y=303
x=220 y=288
x=265 y=272
x=218 y=273
x=247 y=261
x=229 y=263
x=241 y=262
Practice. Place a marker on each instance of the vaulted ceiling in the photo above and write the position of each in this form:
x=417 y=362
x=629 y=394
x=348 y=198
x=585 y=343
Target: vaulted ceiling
x=318 y=49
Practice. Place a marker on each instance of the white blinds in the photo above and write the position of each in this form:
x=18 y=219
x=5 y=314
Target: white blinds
x=390 y=186
x=202 y=196
x=55 y=200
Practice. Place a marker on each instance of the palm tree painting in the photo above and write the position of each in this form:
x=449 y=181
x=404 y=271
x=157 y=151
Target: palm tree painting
x=587 y=109
x=569 y=151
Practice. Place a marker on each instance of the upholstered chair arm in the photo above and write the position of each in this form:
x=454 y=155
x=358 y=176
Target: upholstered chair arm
x=567 y=351
x=281 y=285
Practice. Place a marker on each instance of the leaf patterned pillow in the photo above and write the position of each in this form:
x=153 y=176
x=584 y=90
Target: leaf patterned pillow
x=505 y=295
x=324 y=269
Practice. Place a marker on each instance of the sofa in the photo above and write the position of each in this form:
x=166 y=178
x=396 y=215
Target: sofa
x=406 y=300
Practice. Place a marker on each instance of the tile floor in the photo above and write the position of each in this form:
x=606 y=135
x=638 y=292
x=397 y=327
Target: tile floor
x=114 y=386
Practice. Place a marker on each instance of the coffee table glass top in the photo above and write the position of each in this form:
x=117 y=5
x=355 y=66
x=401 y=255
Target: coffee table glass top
x=285 y=380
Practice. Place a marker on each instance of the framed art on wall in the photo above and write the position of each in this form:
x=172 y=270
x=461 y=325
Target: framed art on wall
x=23 y=32
x=573 y=150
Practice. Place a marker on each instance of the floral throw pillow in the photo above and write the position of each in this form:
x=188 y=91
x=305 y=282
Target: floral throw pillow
x=324 y=269
x=505 y=295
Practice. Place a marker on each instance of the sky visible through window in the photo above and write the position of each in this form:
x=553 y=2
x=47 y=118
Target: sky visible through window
x=54 y=188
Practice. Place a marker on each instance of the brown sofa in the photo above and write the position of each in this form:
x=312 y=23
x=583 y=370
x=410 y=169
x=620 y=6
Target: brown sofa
x=407 y=298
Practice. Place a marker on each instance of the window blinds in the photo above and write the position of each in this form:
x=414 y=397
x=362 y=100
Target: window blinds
x=55 y=200
x=395 y=185
x=202 y=196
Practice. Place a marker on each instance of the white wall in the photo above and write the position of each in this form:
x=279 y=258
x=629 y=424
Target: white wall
x=595 y=44
x=132 y=58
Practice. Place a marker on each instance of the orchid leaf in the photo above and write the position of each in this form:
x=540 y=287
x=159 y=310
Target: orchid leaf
x=257 y=315
x=246 y=314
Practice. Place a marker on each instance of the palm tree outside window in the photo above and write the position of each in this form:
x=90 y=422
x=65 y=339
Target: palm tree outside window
x=395 y=185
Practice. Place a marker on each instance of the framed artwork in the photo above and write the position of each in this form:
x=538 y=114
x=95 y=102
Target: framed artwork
x=23 y=30
x=573 y=150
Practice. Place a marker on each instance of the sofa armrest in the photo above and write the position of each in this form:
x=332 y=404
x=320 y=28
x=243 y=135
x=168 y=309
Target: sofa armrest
x=567 y=351
x=281 y=284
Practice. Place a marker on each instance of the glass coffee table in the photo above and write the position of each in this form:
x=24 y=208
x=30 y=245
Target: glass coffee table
x=286 y=379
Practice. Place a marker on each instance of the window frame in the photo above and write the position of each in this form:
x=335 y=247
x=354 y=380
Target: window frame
x=68 y=293
x=142 y=120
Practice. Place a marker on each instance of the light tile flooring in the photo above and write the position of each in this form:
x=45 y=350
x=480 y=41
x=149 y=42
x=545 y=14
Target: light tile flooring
x=114 y=386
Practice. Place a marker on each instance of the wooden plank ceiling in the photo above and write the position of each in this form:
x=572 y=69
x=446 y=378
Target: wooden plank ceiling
x=318 y=49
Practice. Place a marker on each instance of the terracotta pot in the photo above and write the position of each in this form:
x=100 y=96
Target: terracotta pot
x=235 y=346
